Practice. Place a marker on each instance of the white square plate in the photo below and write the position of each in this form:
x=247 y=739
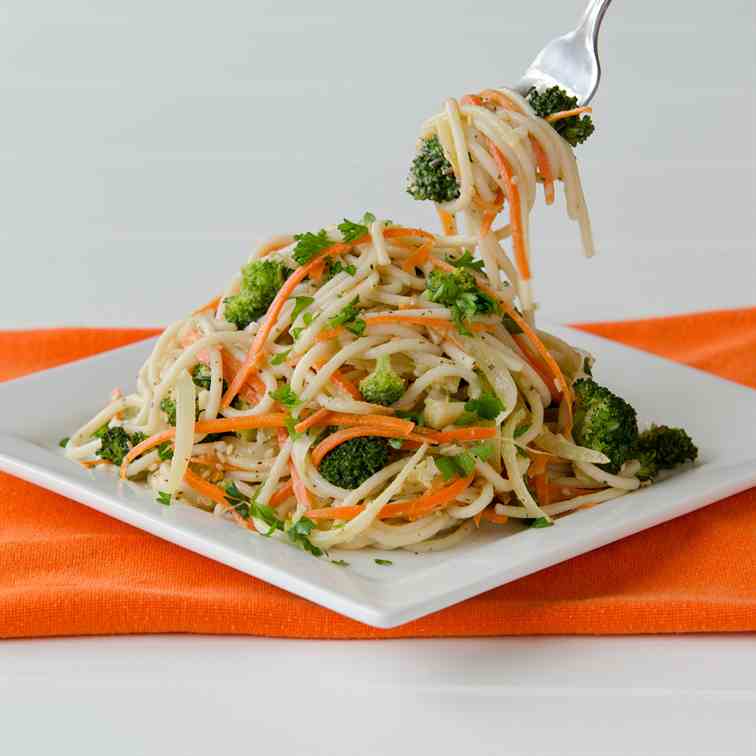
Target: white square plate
x=720 y=416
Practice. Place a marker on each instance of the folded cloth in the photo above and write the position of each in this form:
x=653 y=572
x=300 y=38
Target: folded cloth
x=68 y=570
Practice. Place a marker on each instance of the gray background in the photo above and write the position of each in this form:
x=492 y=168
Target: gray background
x=146 y=145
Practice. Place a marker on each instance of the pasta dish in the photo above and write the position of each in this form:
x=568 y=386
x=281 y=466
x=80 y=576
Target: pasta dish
x=372 y=384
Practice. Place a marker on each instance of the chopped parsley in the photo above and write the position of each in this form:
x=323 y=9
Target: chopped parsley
x=348 y=317
x=466 y=260
x=280 y=358
x=301 y=303
x=352 y=231
x=164 y=498
x=383 y=562
x=309 y=245
x=286 y=396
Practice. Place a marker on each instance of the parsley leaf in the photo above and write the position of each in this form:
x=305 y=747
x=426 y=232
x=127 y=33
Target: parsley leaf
x=301 y=303
x=519 y=431
x=309 y=244
x=165 y=451
x=541 y=522
x=63 y=442
x=339 y=562
x=348 y=317
x=482 y=450
x=383 y=562
x=465 y=462
x=164 y=498
x=237 y=500
x=396 y=443
x=466 y=261
x=299 y=535
x=291 y=421
x=280 y=358
x=446 y=467
x=486 y=406
x=285 y=395
x=416 y=416
x=336 y=266
x=352 y=231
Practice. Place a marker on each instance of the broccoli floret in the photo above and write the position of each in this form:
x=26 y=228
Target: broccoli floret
x=662 y=448
x=604 y=422
x=459 y=292
x=383 y=385
x=116 y=444
x=261 y=280
x=432 y=175
x=350 y=464
x=575 y=129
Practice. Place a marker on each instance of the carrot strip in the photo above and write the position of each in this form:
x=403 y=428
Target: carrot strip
x=410 y=508
x=89 y=463
x=491 y=516
x=346 y=434
x=473 y=433
x=471 y=99
x=314 y=419
x=301 y=493
x=221 y=425
x=216 y=494
x=537 y=364
x=398 y=231
x=316 y=274
x=500 y=99
x=256 y=350
x=403 y=427
x=567 y=113
x=448 y=222
x=283 y=493
x=488 y=218
x=544 y=168
x=515 y=210
x=211 y=305
x=418 y=258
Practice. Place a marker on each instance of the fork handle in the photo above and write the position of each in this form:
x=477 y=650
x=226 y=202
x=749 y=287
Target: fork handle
x=592 y=18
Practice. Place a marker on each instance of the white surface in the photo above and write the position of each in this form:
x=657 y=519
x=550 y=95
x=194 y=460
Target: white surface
x=551 y=697
x=44 y=407
x=147 y=144
x=146 y=135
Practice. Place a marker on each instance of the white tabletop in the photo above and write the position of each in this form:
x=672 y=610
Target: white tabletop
x=147 y=145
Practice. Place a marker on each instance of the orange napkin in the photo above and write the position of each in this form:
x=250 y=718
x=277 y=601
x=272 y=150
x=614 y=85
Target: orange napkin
x=67 y=570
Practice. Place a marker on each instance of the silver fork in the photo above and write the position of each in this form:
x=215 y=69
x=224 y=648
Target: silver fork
x=570 y=61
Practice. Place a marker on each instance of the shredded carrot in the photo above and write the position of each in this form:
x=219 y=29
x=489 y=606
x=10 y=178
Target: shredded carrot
x=301 y=493
x=346 y=434
x=283 y=493
x=222 y=425
x=501 y=100
x=216 y=494
x=418 y=258
x=316 y=274
x=537 y=364
x=402 y=427
x=88 y=463
x=211 y=305
x=399 y=231
x=488 y=219
x=544 y=167
x=314 y=419
x=256 y=350
x=538 y=472
x=567 y=113
x=515 y=210
x=491 y=516
x=409 y=508
x=471 y=99
x=472 y=433
x=448 y=222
